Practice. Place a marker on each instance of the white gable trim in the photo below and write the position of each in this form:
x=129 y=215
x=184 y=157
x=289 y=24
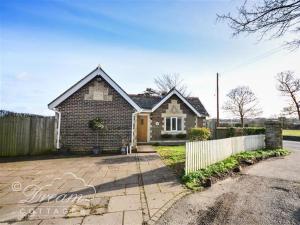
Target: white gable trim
x=175 y=92
x=84 y=81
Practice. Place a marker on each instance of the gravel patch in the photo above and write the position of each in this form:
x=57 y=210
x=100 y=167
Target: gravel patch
x=242 y=200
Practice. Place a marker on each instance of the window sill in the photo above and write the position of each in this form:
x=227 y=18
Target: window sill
x=174 y=132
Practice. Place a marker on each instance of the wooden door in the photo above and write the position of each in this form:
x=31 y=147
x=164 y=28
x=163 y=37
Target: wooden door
x=142 y=128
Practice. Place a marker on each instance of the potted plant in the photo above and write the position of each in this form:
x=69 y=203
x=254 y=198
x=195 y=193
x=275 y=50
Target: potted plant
x=96 y=125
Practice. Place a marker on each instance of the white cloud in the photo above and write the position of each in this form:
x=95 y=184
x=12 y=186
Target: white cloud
x=23 y=76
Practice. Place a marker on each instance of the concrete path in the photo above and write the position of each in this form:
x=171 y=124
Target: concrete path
x=145 y=149
x=107 y=190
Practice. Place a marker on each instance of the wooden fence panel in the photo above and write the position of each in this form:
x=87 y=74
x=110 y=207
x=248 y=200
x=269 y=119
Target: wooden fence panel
x=21 y=135
x=200 y=154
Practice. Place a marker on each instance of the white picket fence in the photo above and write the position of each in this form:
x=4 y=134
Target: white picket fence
x=200 y=154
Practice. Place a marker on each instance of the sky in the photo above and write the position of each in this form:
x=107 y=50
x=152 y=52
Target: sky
x=47 y=46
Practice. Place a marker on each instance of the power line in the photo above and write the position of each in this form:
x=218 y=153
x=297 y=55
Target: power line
x=256 y=58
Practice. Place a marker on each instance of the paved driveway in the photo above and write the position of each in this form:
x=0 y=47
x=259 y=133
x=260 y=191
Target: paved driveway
x=103 y=190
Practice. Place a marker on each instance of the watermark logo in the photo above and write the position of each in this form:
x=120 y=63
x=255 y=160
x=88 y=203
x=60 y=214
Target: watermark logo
x=34 y=193
x=53 y=202
x=16 y=186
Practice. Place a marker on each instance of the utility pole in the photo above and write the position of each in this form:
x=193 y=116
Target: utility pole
x=218 y=113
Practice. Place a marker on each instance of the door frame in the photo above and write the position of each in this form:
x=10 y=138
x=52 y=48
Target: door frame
x=148 y=126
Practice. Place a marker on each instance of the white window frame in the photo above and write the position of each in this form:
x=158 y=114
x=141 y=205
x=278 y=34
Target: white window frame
x=171 y=124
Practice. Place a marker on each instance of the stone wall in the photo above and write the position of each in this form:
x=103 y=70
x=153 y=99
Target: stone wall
x=273 y=134
x=172 y=107
x=95 y=99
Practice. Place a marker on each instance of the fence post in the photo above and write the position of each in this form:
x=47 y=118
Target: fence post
x=186 y=158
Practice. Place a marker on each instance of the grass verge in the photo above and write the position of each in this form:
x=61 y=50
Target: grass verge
x=291 y=133
x=198 y=180
x=174 y=157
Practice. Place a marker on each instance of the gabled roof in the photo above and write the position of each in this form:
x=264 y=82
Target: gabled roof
x=197 y=105
x=172 y=92
x=138 y=102
x=149 y=102
x=96 y=72
x=145 y=101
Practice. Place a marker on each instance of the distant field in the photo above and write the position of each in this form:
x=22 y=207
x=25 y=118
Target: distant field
x=291 y=133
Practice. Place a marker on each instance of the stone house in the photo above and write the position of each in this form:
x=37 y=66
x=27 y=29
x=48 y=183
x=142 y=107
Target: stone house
x=132 y=119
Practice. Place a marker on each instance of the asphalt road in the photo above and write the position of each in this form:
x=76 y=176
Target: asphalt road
x=292 y=145
x=266 y=193
x=286 y=168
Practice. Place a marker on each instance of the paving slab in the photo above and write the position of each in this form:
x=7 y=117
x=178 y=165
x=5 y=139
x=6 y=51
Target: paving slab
x=133 y=217
x=15 y=212
x=157 y=200
x=122 y=203
x=106 y=219
x=130 y=189
x=63 y=221
x=35 y=222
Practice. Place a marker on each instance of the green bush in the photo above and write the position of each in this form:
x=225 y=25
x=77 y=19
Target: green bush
x=195 y=179
x=238 y=125
x=155 y=144
x=96 y=124
x=166 y=136
x=254 y=130
x=231 y=132
x=199 y=134
x=227 y=132
x=181 y=136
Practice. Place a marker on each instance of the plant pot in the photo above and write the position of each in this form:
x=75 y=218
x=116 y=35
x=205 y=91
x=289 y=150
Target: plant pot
x=64 y=151
x=96 y=150
x=123 y=150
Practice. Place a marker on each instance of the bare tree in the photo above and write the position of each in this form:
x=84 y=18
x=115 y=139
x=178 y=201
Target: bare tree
x=166 y=82
x=273 y=17
x=243 y=103
x=289 y=86
x=151 y=92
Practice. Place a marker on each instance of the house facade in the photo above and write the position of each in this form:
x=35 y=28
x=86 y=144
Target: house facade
x=128 y=119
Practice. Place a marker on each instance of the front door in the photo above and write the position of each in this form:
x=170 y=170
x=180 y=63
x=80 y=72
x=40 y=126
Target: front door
x=142 y=127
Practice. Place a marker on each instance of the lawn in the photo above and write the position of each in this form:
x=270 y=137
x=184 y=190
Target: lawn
x=173 y=156
x=291 y=133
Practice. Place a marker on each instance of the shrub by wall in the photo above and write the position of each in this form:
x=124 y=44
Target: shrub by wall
x=254 y=130
x=166 y=136
x=181 y=136
x=199 y=134
x=174 y=136
x=226 y=132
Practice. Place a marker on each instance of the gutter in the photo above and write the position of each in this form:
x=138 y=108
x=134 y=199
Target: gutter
x=132 y=129
x=58 y=128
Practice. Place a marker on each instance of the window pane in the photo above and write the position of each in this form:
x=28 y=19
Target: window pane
x=179 y=123
x=174 y=123
x=168 y=124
